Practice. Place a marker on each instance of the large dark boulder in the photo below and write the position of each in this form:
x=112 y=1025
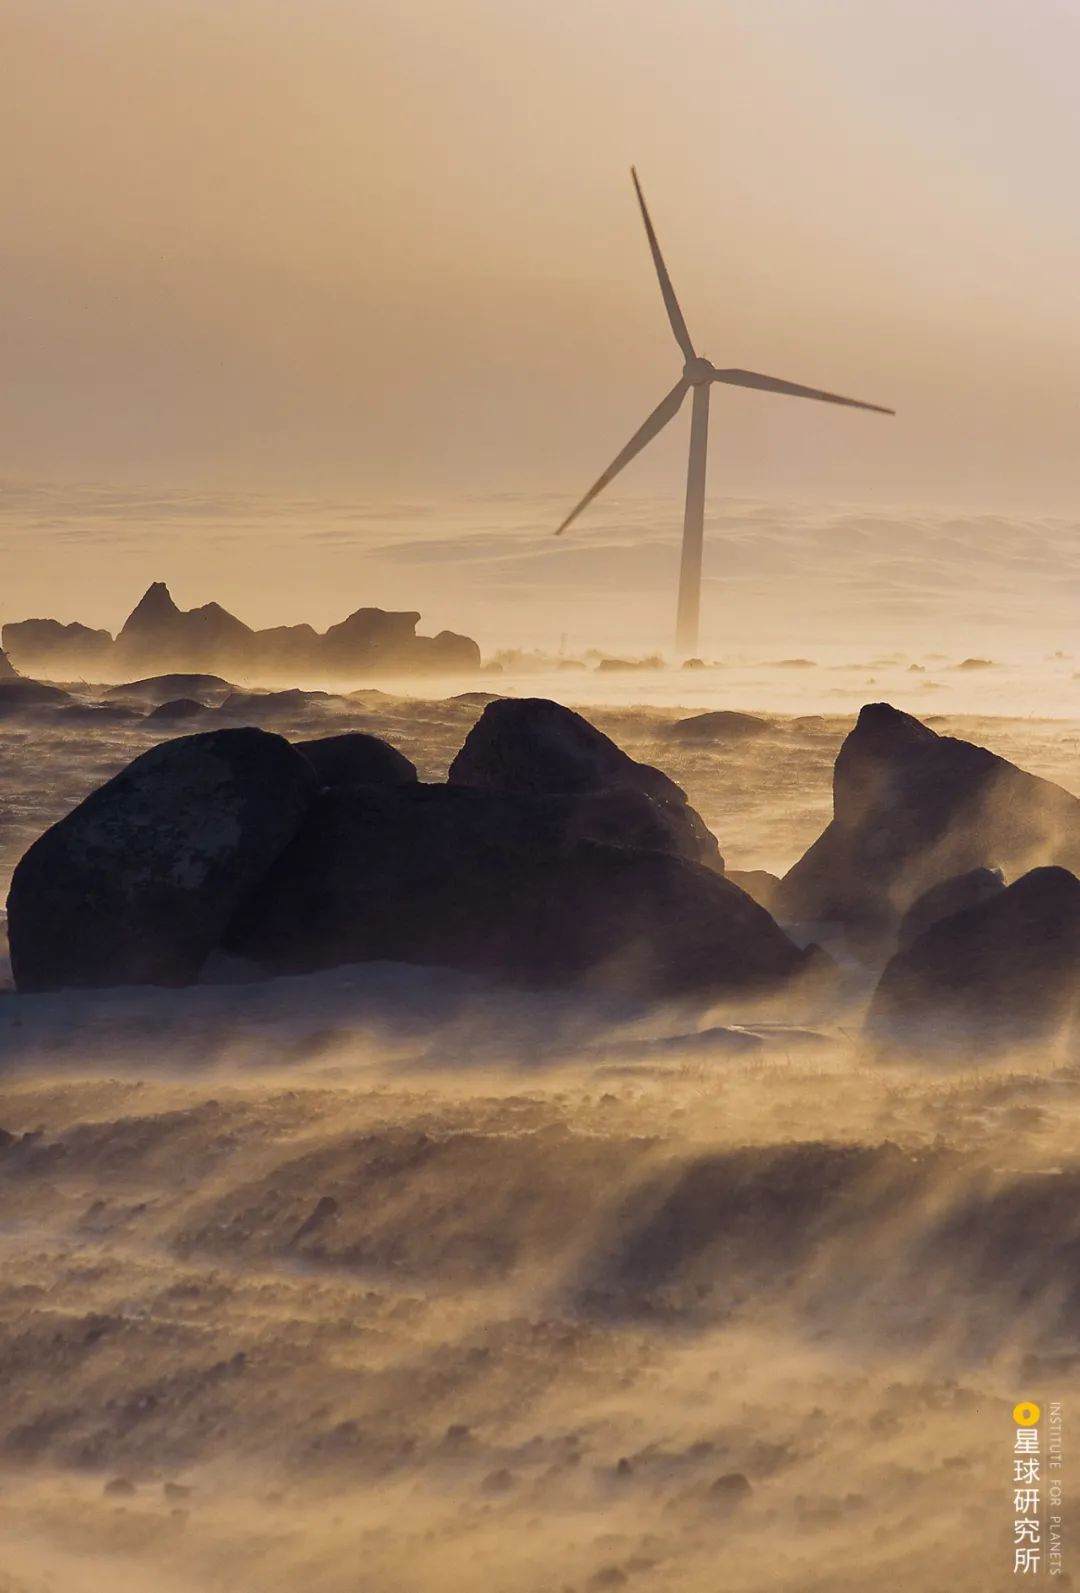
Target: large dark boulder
x=911 y=809
x=137 y=884
x=1003 y=972
x=357 y=759
x=532 y=744
x=509 y=885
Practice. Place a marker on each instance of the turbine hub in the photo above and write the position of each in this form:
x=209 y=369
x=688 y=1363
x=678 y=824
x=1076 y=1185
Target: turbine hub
x=698 y=371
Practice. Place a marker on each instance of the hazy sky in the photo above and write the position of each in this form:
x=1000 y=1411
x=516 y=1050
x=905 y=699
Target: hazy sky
x=390 y=246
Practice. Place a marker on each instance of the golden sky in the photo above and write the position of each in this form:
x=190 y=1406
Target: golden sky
x=391 y=246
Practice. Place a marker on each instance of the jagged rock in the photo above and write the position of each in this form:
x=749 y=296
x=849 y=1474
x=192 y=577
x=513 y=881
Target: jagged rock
x=356 y=759
x=158 y=689
x=911 y=809
x=159 y=632
x=509 y=885
x=951 y=896
x=723 y=725
x=531 y=744
x=47 y=647
x=7 y=669
x=137 y=884
x=999 y=973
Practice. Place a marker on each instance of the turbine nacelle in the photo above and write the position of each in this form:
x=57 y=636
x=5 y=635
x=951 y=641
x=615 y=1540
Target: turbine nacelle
x=698 y=371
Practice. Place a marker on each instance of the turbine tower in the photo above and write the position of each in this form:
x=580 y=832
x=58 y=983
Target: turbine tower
x=698 y=375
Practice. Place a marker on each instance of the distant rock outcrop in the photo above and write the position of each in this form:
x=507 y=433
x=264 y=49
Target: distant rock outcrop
x=725 y=724
x=63 y=651
x=7 y=669
x=160 y=636
x=532 y=744
x=158 y=689
x=137 y=884
x=911 y=809
x=156 y=631
x=1002 y=972
x=510 y=885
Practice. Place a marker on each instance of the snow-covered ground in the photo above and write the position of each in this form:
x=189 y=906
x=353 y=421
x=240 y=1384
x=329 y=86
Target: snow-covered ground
x=380 y=1279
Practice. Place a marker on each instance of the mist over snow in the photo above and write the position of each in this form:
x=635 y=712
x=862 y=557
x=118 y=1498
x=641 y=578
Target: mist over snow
x=836 y=583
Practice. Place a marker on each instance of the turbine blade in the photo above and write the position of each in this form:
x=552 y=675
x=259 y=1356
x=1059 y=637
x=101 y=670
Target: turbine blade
x=773 y=384
x=675 y=315
x=666 y=410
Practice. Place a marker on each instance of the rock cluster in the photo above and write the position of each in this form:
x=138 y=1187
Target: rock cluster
x=159 y=636
x=912 y=808
x=549 y=857
x=912 y=872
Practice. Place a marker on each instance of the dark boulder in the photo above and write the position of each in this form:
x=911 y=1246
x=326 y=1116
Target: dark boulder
x=911 y=809
x=723 y=725
x=951 y=896
x=97 y=713
x=137 y=884
x=356 y=759
x=1004 y=972
x=253 y=707
x=21 y=693
x=158 y=689
x=178 y=709
x=531 y=744
x=7 y=669
x=510 y=885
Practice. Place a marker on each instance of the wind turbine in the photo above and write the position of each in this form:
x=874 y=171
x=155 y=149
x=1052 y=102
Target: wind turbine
x=698 y=374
